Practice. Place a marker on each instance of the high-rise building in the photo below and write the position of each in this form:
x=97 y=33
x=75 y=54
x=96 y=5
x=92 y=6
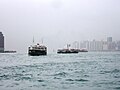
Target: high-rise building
x=111 y=45
x=105 y=46
x=109 y=39
x=84 y=44
x=1 y=42
x=95 y=45
x=118 y=45
x=75 y=44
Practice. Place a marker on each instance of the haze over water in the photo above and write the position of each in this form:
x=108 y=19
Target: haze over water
x=57 y=22
x=83 y=71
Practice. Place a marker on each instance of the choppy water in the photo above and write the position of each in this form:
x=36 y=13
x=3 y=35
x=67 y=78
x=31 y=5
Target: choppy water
x=83 y=71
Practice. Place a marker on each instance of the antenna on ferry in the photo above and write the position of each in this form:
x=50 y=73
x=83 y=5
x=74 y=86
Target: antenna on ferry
x=68 y=46
x=42 y=40
x=33 y=39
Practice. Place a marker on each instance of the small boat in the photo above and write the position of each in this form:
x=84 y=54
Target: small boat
x=37 y=50
x=68 y=50
x=82 y=50
x=65 y=51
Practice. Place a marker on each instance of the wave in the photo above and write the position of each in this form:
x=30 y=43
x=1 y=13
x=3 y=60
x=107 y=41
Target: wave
x=117 y=88
x=40 y=80
x=79 y=80
x=112 y=71
x=61 y=74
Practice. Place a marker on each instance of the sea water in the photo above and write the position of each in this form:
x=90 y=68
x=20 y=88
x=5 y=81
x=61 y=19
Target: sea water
x=83 y=71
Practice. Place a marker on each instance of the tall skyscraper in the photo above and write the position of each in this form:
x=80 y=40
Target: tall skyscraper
x=1 y=42
x=109 y=39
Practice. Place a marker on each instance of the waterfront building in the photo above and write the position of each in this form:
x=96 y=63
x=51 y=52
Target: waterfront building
x=84 y=44
x=118 y=45
x=105 y=46
x=95 y=45
x=1 y=42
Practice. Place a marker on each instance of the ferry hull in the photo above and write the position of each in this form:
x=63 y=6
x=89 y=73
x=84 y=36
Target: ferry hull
x=66 y=52
x=37 y=52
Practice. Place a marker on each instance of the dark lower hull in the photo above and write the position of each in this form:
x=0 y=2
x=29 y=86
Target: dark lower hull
x=66 y=52
x=83 y=51
x=37 y=52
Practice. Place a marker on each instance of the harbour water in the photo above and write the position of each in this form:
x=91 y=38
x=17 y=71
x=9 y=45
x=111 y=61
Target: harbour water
x=83 y=71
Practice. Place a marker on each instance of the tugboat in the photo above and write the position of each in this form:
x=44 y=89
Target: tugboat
x=37 y=50
x=67 y=51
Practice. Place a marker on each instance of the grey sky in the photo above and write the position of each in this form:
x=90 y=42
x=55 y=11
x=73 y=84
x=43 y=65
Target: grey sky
x=58 y=22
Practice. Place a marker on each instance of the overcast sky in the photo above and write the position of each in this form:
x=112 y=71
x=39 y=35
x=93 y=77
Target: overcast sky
x=57 y=22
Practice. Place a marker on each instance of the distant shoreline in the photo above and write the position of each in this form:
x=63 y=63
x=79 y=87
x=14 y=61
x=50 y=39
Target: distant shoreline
x=104 y=51
x=8 y=52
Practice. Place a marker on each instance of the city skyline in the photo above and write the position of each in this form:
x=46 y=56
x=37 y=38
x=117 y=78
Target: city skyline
x=101 y=45
x=91 y=45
